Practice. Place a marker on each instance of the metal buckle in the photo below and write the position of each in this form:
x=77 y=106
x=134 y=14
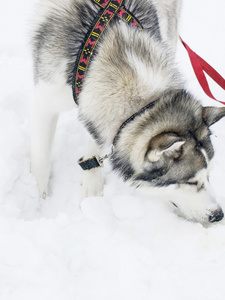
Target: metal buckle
x=94 y=161
x=100 y=160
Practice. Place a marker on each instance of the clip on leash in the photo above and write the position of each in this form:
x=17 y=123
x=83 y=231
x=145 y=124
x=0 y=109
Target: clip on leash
x=94 y=162
x=200 y=66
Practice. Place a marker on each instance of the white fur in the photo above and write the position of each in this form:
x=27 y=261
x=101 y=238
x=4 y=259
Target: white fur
x=50 y=99
x=190 y=204
x=43 y=8
x=168 y=12
x=92 y=180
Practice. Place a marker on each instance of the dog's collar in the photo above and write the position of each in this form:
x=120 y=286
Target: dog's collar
x=108 y=11
x=132 y=118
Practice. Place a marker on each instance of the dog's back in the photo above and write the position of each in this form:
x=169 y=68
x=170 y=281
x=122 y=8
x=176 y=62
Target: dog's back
x=129 y=66
x=60 y=27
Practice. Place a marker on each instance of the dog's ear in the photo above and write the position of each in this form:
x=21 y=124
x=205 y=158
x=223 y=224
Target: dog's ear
x=212 y=114
x=167 y=145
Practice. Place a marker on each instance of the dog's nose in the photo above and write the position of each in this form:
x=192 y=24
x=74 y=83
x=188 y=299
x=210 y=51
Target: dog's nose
x=216 y=216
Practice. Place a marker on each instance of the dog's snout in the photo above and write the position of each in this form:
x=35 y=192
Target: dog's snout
x=216 y=216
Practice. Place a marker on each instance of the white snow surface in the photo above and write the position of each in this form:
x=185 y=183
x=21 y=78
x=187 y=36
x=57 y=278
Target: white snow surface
x=123 y=245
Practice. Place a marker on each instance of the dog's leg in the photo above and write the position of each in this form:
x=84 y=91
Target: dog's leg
x=44 y=123
x=49 y=101
x=168 y=12
x=92 y=180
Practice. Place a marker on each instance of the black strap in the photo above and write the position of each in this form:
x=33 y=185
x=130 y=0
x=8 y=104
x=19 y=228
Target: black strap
x=108 y=10
x=141 y=111
x=90 y=163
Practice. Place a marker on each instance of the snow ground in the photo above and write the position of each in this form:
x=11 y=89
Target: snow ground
x=124 y=245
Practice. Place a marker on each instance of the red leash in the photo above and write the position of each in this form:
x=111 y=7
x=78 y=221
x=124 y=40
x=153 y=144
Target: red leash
x=200 y=66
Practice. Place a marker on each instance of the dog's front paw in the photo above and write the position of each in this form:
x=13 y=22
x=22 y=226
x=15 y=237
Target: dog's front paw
x=92 y=183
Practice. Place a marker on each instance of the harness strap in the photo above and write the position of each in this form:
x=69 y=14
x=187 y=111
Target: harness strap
x=122 y=13
x=109 y=9
x=200 y=66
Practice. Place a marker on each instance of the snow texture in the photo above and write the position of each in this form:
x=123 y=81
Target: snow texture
x=121 y=246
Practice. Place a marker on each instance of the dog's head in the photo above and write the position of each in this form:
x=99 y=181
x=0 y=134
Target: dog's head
x=176 y=157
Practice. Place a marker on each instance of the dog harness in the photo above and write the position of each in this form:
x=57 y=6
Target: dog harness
x=107 y=12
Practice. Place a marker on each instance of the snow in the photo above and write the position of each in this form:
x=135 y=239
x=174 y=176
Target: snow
x=120 y=246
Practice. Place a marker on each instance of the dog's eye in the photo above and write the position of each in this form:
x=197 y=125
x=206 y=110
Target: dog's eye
x=192 y=183
x=174 y=204
x=199 y=144
x=199 y=185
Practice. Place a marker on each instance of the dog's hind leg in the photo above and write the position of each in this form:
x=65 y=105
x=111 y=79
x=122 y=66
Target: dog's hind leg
x=168 y=13
x=49 y=101
x=92 y=180
x=44 y=124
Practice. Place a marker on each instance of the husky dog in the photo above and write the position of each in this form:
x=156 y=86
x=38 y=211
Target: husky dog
x=132 y=80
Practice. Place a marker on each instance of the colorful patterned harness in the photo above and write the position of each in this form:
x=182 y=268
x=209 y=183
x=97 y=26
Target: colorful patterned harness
x=108 y=11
